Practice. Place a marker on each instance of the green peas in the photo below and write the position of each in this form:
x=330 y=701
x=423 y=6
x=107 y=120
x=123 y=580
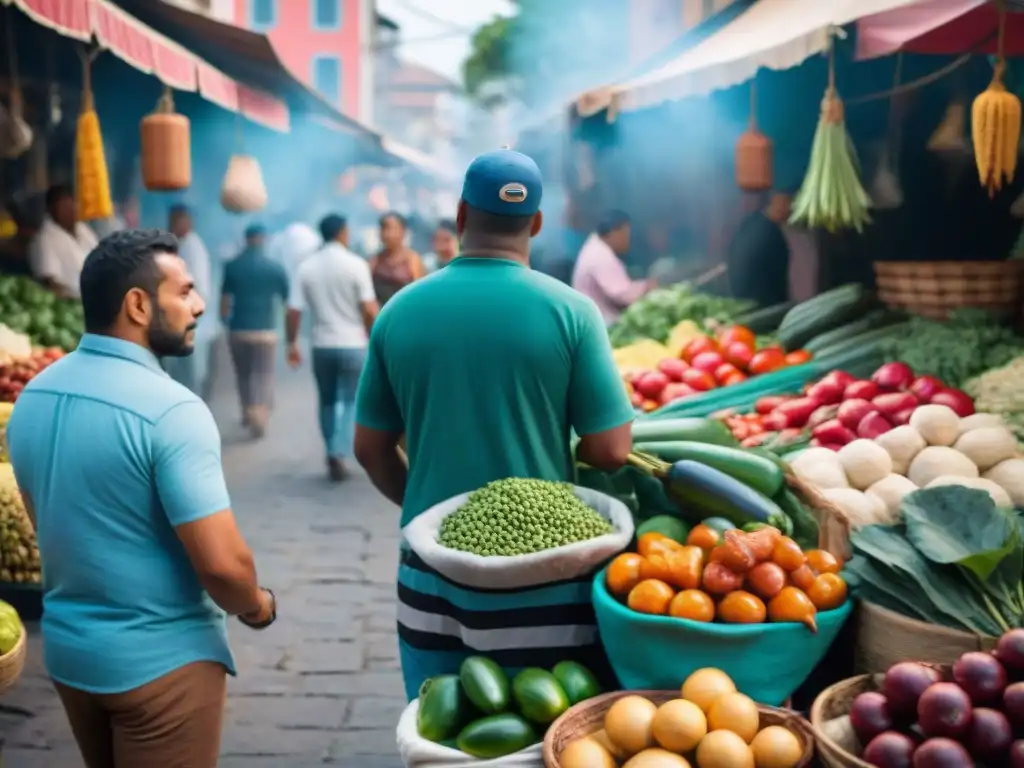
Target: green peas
x=517 y=516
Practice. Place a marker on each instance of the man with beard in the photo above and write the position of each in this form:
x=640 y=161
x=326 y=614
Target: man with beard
x=142 y=557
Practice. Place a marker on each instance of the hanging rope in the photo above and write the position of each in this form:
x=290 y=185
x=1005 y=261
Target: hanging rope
x=753 y=103
x=912 y=85
x=12 y=59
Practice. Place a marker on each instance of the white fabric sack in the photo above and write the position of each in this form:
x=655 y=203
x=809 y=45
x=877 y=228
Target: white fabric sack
x=243 y=190
x=517 y=571
x=418 y=752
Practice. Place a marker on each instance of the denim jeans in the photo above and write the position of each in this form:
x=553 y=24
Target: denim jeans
x=337 y=375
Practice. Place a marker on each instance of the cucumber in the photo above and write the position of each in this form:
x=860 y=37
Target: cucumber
x=576 y=680
x=485 y=684
x=695 y=429
x=443 y=708
x=873 y=320
x=820 y=303
x=842 y=305
x=766 y=319
x=863 y=340
x=805 y=525
x=666 y=525
x=539 y=696
x=755 y=471
x=712 y=493
x=722 y=525
x=496 y=736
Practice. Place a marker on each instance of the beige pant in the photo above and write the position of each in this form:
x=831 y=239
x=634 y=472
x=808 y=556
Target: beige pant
x=172 y=722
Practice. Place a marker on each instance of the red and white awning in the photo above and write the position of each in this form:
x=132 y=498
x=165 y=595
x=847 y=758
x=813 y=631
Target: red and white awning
x=148 y=51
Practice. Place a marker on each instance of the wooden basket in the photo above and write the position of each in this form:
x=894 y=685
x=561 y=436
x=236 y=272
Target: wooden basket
x=833 y=524
x=933 y=288
x=13 y=662
x=885 y=638
x=834 y=702
x=587 y=717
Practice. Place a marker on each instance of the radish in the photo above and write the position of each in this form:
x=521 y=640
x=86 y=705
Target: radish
x=903 y=417
x=797 y=412
x=842 y=378
x=826 y=392
x=873 y=425
x=925 y=388
x=956 y=399
x=833 y=433
x=892 y=403
x=861 y=390
x=852 y=412
x=822 y=414
x=893 y=376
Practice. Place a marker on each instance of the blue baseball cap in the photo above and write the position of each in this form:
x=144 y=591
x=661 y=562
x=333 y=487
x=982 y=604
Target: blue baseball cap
x=503 y=182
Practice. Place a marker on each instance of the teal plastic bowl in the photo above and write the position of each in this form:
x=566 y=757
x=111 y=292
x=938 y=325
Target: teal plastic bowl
x=766 y=661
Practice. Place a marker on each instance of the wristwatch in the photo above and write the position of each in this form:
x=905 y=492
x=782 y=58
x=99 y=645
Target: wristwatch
x=268 y=621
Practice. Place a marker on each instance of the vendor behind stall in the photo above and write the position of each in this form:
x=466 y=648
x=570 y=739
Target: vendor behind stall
x=58 y=250
x=758 y=256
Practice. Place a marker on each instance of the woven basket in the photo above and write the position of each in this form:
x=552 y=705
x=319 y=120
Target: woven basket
x=837 y=747
x=13 y=662
x=885 y=638
x=833 y=524
x=587 y=717
x=933 y=288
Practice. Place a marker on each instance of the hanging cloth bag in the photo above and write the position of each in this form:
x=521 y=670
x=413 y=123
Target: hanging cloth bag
x=243 y=189
x=15 y=133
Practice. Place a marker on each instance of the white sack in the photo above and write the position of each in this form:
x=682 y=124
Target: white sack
x=243 y=190
x=550 y=565
x=417 y=752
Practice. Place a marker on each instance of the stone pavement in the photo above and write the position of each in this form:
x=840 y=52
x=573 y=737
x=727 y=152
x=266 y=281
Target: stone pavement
x=321 y=686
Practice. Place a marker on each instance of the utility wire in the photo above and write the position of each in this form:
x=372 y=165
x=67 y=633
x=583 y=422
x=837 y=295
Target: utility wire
x=426 y=15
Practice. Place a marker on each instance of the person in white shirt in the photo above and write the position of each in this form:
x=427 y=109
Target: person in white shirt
x=335 y=287
x=291 y=245
x=193 y=371
x=58 y=250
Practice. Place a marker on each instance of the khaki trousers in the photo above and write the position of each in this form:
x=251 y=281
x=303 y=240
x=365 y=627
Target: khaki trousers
x=172 y=722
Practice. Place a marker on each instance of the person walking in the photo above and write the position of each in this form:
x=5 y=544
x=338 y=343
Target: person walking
x=396 y=265
x=599 y=272
x=335 y=286
x=193 y=370
x=484 y=368
x=254 y=287
x=142 y=558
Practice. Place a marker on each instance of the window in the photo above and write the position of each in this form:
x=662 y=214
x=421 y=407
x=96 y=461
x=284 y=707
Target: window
x=327 y=78
x=326 y=13
x=262 y=14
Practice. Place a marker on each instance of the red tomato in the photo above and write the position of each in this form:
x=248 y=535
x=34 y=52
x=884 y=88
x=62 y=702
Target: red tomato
x=767 y=360
x=650 y=405
x=739 y=354
x=737 y=333
x=673 y=391
x=724 y=370
x=695 y=347
x=672 y=368
x=702 y=381
x=734 y=378
x=798 y=356
x=708 y=361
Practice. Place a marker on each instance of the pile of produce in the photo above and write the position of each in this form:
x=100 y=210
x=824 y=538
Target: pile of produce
x=932 y=717
x=711 y=723
x=655 y=315
x=703 y=480
x=953 y=559
x=969 y=343
x=10 y=628
x=1001 y=391
x=16 y=372
x=19 y=554
x=29 y=308
x=517 y=516
x=735 y=577
x=483 y=714
x=838 y=408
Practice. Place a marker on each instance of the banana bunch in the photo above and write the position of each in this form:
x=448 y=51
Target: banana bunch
x=831 y=196
x=995 y=129
x=92 y=180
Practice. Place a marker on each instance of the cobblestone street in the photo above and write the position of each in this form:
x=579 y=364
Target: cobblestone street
x=322 y=685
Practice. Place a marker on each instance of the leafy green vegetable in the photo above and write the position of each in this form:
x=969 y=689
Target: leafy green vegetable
x=657 y=313
x=969 y=342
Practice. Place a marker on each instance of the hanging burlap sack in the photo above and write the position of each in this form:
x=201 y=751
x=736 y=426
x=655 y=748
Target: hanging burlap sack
x=166 y=148
x=243 y=190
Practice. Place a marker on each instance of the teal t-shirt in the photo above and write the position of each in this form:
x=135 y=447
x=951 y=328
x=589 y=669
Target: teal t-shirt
x=487 y=366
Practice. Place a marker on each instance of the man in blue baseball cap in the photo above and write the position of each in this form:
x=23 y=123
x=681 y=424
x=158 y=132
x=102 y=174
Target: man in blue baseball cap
x=485 y=366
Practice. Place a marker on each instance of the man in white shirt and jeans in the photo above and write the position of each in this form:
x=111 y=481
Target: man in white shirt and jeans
x=335 y=287
x=58 y=250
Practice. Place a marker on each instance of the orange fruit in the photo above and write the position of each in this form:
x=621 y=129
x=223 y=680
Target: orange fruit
x=623 y=574
x=803 y=577
x=654 y=543
x=692 y=604
x=827 y=592
x=656 y=567
x=651 y=596
x=737 y=333
x=742 y=608
x=791 y=604
x=703 y=536
x=822 y=561
x=788 y=554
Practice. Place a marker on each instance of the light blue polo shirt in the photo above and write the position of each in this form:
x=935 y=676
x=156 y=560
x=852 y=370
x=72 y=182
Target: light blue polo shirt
x=114 y=454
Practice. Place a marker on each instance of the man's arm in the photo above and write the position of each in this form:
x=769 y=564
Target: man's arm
x=192 y=491
x=614 y=282
x=293 y=320
x=600 y=410
x=368 y=298
x=379 y=426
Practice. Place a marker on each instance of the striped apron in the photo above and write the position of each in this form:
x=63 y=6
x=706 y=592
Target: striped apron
x=440 y=623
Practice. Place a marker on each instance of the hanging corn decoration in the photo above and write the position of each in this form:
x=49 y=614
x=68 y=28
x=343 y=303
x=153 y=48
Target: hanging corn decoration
x=832 y=196
x=92 y=183
x=995 y=129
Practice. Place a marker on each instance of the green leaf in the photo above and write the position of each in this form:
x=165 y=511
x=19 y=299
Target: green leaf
x=957 y=525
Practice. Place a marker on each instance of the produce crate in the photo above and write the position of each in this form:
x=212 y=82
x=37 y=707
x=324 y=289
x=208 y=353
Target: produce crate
x=26 y=599
x=934 y=288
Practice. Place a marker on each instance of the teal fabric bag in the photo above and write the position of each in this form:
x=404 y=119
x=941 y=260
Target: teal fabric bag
x=768 y=662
